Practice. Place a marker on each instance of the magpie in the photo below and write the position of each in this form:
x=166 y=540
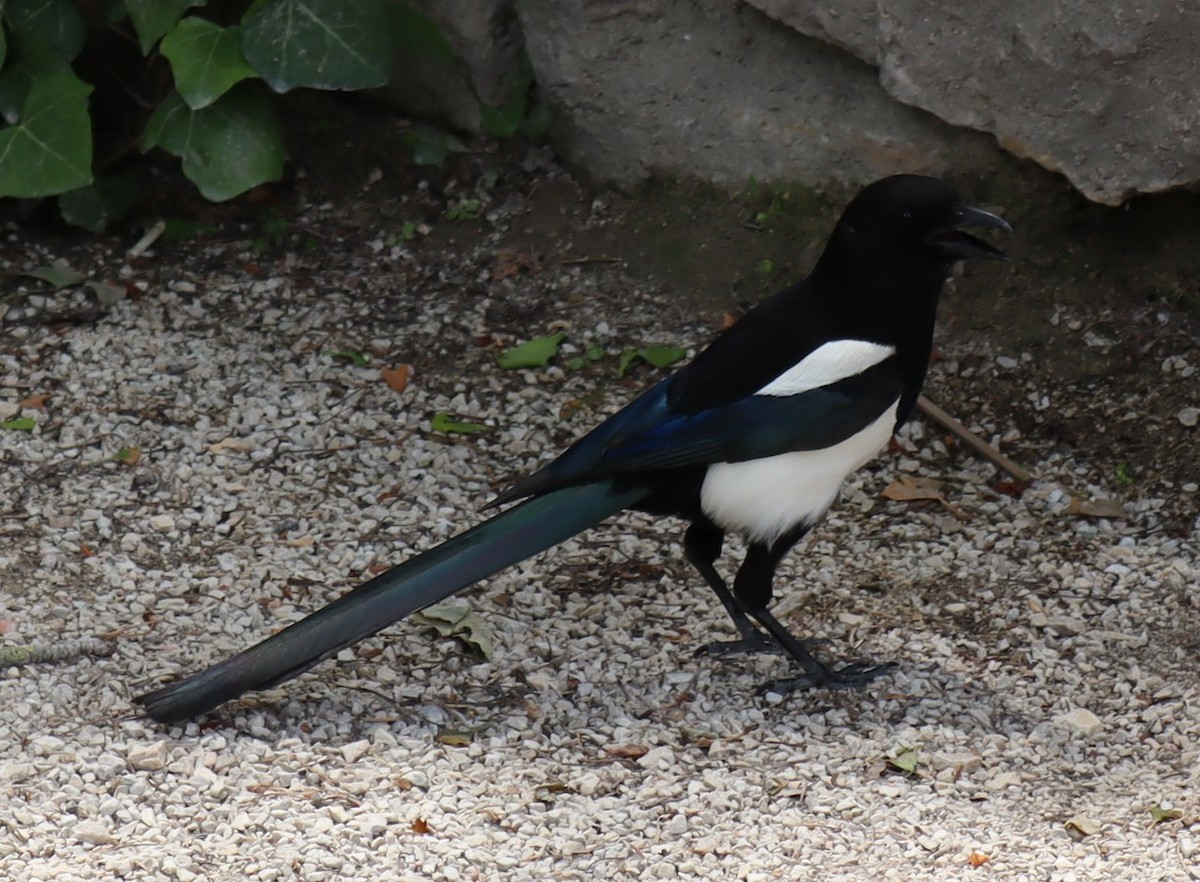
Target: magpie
x=754 y=437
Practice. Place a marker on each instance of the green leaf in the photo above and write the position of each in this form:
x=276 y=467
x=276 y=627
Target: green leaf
x=534 y=353
x=227 y=148
x=456 y=620
x=1162 y=815
x=905 y=761
x=443 y=422
x=206 y=60
x=416 y=35
x=353 y=356
x=33 y=59
x=104 y=201
x=3 y=44
x=57 y=20
x=182 y=229
x=431 y=146
x=57 y=276
x=20 y=424
x=658 y=356
x=50 y=150
x=156 y=18
x=595 y=352
x=322 y=44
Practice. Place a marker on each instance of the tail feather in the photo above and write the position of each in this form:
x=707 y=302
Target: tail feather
x=506 y=539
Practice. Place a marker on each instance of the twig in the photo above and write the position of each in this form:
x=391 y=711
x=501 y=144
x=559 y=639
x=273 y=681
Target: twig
x=987 y=451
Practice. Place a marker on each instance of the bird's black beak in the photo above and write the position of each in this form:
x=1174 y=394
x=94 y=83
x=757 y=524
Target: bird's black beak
x=952 y=242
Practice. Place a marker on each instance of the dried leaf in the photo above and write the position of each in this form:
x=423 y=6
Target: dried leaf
x=629 y=751
x=396 y=378
x=908 y=488
x=230 y=445
x=532 y=353
x=977 y=859
x=35 y=402
x=456 y=620
x=1097 y=508
x=1081 y=827
x=421 y=827
x=455 y=737
x=510 y=263
x=443 y=422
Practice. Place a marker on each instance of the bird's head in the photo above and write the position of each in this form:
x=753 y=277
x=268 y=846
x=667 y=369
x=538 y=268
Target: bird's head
x=907 y=220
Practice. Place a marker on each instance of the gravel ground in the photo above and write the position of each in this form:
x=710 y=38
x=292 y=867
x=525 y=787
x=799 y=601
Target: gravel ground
x=204 y=471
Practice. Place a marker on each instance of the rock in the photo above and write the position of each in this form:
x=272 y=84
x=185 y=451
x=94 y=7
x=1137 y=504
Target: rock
x=1080 y=722
x=1104 y=94
x=1189 y=416
x=148 y=757
x=719 y=92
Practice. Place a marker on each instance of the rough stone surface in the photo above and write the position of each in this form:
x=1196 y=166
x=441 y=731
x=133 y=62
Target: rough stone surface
x=486 y=44
x=1106 y=94
x=707 y=90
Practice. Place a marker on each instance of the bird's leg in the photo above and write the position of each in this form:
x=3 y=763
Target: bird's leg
x=702 y=546
x=752 y=590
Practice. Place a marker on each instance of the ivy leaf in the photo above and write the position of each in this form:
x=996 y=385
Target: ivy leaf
x=57 y=20
x=353 y=356
x=322 y=44
x=656 y=355
x=905 y=761
x=155 y=18
x=533 y=353
x=57 y=276
x=105 y=200
x=443 y=422
x=227 y=148
x=50 y=150
x=206 y=60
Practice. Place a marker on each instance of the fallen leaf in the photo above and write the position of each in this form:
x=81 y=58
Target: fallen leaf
x=421 y=827
x=230 y=445
x=1081 y=827
x=977 y=859
x=456 y=620
x=629 y=751
x=107 y=295
x=656 y=355
x=6 y=625
x=1162 y=815
x=907 y=488
x=20 y=424
x=532 y=353
x=57 y=276
x=396 y=378
x=1097 y=508
x=510 y=263
x=128 y=455
x=455 y=737
x=443 y=422
x=910 y=488
x=353 y=356
x=905 y=761
x=35 y=402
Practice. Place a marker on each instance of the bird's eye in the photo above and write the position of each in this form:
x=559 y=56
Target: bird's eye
x=906 y=217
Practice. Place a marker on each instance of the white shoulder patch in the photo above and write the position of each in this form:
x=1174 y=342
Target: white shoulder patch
x=828 y=363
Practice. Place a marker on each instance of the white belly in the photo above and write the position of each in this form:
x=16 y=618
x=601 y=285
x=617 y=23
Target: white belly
x=764 y=498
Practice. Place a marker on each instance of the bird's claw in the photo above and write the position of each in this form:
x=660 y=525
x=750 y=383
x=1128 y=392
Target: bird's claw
x=855 y=675
x=754 y=643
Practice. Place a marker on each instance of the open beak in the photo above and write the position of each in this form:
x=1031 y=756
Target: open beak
x=951 y=241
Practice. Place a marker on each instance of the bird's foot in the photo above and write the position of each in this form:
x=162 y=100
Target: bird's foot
x=855 y=675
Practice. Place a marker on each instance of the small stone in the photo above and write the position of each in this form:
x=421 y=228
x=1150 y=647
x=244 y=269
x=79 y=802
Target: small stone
x=1080 y=722
x=148 y=757
x=162 y=523
x=355 y=750
x=1189 y=416
x=92 y=832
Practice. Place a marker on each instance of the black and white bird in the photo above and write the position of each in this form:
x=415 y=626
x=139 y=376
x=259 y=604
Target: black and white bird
x=754 y=437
